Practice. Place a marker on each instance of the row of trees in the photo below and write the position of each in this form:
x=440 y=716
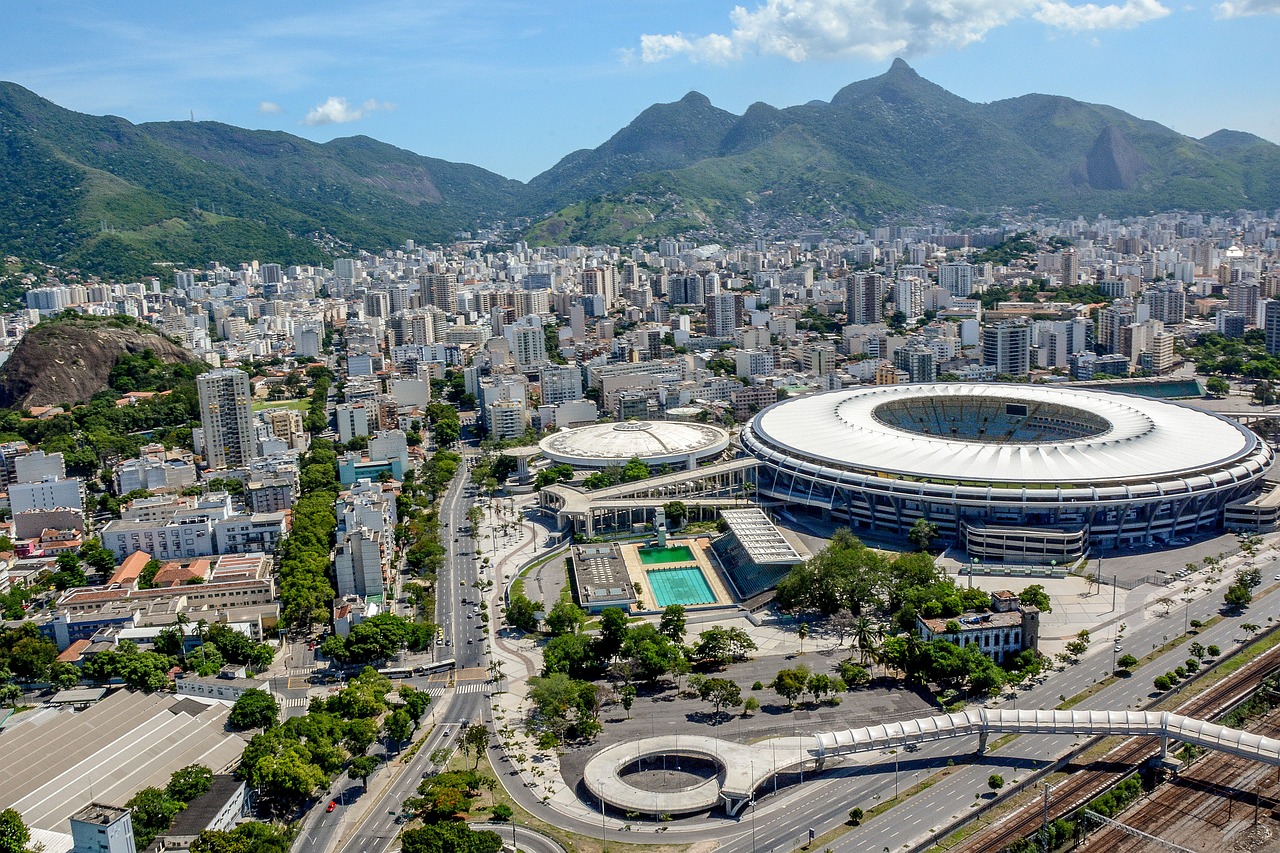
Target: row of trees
x=306 y=592
x=289 y=761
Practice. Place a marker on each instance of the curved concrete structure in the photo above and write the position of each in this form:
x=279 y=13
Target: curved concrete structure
x=675 y=443
x=745 y=767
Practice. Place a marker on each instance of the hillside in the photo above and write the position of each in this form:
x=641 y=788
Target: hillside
x=110 y=197
x=69 y=359
x=106 y=196
x=899 y=143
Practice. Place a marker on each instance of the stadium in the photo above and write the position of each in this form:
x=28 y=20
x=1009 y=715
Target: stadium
x=673 y=443
x=1031 y=473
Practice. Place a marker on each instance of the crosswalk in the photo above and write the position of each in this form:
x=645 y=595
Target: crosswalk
x=301 y=670
x=472 y=687
x=296 y=702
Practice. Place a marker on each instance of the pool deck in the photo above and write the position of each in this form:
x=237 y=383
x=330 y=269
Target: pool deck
x=700 y=548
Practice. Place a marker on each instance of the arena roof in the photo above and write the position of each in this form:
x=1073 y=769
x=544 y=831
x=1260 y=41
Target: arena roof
x=968 y=432
x=654 y=442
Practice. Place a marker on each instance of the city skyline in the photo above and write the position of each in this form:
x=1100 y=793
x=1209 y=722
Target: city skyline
x=514 y=88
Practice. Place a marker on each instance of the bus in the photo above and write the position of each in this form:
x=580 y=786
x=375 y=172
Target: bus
x=396 y=671
x=439 y=666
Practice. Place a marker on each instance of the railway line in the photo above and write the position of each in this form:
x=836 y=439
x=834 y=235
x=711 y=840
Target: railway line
x=1216 y=796
x=1085 y=782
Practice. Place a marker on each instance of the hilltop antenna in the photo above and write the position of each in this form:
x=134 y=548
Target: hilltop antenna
x=193 y=115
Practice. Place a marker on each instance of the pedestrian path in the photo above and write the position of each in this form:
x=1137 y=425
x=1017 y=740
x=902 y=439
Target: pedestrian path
x=296 y=702
x=301 y=670
x=473 y=687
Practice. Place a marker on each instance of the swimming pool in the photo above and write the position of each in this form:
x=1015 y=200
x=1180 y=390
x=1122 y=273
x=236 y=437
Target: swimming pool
x=673 y=554
x=682 y=586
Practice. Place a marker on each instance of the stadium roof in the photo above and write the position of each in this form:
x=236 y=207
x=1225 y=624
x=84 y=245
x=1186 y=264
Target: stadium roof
x=654 y=442
x=1117 y=437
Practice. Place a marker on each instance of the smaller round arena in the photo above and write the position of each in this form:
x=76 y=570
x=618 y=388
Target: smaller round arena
x=673 y=443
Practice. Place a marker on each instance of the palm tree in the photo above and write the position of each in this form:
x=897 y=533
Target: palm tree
x=866 y=636
x=802 y=632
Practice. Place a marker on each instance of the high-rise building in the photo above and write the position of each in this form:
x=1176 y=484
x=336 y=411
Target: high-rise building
x=1168 y=303
x=1070 y=268
x=226 y=414
x=528 y=343
x=602 y=281
x=956 y=277
x=864 y=298
x=722 y=314
x=1006 y=346
x=1272 y=318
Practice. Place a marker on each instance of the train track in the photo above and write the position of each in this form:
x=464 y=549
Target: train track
x=1084 y=783
x=1213 y=798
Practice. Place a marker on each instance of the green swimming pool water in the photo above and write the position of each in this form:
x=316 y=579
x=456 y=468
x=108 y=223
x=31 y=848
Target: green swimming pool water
x=674 y=554
x=680 y=586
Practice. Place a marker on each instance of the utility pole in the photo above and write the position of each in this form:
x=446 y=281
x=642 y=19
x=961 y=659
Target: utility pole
x=1044 y=829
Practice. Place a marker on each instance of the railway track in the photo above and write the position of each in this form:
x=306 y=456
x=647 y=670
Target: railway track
x=1083 y=783
x=1203 y=803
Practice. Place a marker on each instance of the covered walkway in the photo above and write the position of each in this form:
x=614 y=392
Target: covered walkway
x=742 y=768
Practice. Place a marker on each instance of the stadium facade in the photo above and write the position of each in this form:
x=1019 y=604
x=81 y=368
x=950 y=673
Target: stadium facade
x=1012 y=472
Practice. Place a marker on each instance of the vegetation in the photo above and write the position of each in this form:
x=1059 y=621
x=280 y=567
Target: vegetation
x=305 y=591
x=255 y=709
x=153 y=809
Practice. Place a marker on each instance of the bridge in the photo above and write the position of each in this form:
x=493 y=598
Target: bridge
x=742 y=768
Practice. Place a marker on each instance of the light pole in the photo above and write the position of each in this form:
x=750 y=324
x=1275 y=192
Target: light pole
x=972 y=569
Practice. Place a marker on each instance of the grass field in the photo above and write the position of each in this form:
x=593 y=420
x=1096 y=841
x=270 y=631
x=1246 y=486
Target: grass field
x=300 y=405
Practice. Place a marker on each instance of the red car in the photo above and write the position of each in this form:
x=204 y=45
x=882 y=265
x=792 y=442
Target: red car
x=333 y=804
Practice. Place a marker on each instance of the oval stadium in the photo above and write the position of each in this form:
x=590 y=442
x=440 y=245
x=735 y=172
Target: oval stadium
x=674 y=443
x=1020 y=472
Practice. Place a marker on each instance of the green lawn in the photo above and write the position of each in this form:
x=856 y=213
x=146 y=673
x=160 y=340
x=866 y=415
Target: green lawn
x=300 y=405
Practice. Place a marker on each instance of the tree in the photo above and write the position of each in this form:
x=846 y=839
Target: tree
x=613 y=632
x=672 y=623
x=1128 y=662
x=995 y=781
x=189 y=782
x=855 y=816
x=802 y=632
x=1238 y=596
x=14 y=834
x=398 y=726
x=566 y=618
x=475 y=741
x=1162 y=683
x=10 y=694
x=152 y=811
x=676 y=512
x=255 y=709
x=1216 y=386
x=450 y=837
x=1035 y=596
x=502 y=812
x=521 y=613
x=720 y=692
x=362 y=767
x=64 y=676
x=360 y=735
x=628 y=696
x=922 y=532
x=790 y=683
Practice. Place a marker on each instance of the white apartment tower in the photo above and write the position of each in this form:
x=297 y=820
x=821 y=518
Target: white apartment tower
x=226 y=414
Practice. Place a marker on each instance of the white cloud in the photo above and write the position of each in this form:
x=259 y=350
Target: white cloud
x=1245 y=8
x=269 y=108
x=1091 y=16
x=877 y=29
x=337 y=110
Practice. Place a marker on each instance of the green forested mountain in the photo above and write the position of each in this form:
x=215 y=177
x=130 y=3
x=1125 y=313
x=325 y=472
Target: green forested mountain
x=100 y=193
x=108 y=196
x=898 y=143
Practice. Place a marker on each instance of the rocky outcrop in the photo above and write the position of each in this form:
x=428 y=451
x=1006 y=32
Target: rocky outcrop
x=68 y=360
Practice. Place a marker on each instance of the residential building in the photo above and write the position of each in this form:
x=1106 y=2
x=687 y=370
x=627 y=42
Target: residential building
x=1006 y=346
x=226 y=417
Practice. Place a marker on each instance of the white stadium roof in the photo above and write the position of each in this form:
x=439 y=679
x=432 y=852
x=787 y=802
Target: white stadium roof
x=654 y=442
x=1136 y=439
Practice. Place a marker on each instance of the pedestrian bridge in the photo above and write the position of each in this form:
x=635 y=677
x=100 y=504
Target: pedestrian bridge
x=742 y=768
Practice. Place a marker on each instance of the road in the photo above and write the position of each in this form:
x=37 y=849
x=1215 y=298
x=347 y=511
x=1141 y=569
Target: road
x=466 y=703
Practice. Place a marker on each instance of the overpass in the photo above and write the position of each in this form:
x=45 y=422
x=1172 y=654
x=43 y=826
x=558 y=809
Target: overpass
x=742 y=768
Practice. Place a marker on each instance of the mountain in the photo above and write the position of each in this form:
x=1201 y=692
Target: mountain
x=898 y=143
x=69 y=359
x=108 y=196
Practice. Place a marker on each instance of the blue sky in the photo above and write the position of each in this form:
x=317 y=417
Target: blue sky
x=515 y=86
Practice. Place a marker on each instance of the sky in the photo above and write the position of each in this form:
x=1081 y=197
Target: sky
x=515 y=86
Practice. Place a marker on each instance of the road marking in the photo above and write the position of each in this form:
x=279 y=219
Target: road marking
x=296 y=702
